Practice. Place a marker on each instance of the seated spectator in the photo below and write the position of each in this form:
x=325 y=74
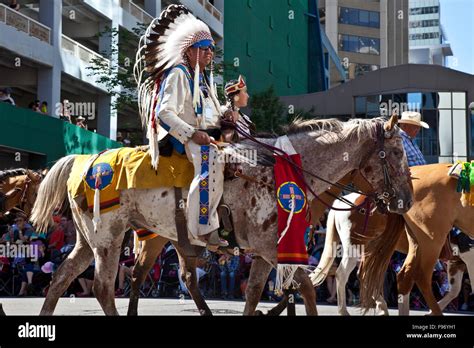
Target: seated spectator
x=11 y=236
x=44 y=107
x=56 y=239
x=69 y=239
x=24 y=230
x=30 y=267
x=86 y=280
x=4 y=267
x=244 y=270
x=81 y=122
x=127 y=141
x=5 y=96
x=127 y=260
x=228 y=265
x=64 y=112
x=14 y=5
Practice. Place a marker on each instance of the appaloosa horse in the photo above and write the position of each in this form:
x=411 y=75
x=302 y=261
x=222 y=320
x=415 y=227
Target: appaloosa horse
x=332 y=147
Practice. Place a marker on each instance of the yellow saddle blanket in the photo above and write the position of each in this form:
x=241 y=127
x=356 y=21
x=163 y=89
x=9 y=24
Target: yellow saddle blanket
x=122 y=169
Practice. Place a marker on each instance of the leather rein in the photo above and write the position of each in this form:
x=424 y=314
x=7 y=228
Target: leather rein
x=371 y=198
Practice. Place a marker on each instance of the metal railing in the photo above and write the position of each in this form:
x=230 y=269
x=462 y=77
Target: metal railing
x=79 y=51
x=212 y=9
x=25 y=24
x=136 y=11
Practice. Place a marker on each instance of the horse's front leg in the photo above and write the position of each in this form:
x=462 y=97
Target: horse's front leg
x=259 y=272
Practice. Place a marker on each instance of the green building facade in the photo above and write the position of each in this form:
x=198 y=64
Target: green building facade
x=32 y=140
x=274 y=43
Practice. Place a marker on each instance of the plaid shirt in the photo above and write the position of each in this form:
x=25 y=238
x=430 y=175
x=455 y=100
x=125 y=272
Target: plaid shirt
x=414 y=155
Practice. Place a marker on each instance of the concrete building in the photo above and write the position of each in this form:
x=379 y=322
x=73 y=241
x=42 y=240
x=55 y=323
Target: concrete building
x=427 y=38
x=367 y=35
x=445 y=98
x=47 y=48
x=279 y=43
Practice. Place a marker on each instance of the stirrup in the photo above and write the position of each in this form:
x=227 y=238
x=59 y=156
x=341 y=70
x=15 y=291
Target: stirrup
x=214 y=241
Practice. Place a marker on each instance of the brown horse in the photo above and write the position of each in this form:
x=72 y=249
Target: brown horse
x=18 y=190
x=436 y=210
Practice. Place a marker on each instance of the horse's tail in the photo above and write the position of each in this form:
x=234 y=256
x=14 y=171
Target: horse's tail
x=327 y=258
x=375 y=262
x=52 y=192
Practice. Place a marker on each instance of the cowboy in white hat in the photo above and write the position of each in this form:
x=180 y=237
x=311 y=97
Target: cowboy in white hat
x=410 y=125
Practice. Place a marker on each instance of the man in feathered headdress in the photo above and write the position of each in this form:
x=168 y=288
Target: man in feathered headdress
x=178 y=96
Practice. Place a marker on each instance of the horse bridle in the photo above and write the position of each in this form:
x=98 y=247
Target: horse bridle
x=21 y=206
x=386 y=195
x=383 y=198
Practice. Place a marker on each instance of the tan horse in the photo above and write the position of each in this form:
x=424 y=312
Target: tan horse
x=18 y=189
x=436 y=210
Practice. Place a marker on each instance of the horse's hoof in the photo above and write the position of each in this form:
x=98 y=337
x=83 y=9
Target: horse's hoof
x=259 y=313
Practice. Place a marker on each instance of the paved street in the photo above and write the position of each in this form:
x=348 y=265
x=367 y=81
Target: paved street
x=89 y=306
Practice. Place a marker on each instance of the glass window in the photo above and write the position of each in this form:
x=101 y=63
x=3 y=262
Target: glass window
x=472 y=132
x=373 y=105
x=459 y=100
x=364 y=18
x=375 y=46
x=445 y=133
x=353 y=43
x=374 y=19
x=429 y=137
x=459 y=133
x=360 y=105
x=348 y=16
x=364 y=45
x=430 y=100
x=414 y=101
x=444 y=100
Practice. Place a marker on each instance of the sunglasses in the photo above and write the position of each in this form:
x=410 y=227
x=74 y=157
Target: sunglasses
x=212 y=48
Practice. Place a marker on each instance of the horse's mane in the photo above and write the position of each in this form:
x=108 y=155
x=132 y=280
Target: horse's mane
x=12 y=172
x=299 y=125
x=354 y=127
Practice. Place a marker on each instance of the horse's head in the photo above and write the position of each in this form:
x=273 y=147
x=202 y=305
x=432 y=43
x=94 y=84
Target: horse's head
x=31 y=187
x=387 y=168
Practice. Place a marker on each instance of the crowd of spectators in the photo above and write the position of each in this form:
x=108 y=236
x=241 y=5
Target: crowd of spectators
x=220 y=275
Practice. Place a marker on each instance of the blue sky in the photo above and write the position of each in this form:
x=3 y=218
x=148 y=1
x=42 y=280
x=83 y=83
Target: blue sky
x=457 y=18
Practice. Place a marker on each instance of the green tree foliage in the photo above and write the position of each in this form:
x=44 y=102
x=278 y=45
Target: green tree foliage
x=270 y=115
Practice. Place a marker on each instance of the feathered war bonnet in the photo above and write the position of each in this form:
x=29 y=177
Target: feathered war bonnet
x=163 y=46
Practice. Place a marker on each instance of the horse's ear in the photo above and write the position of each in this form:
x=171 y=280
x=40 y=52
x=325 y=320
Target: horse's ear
x=390 y=124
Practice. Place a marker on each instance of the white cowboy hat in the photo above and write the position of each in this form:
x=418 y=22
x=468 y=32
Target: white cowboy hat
x=414 y=118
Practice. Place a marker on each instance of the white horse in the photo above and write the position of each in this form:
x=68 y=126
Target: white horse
x=456 y=269
x=341 y=228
